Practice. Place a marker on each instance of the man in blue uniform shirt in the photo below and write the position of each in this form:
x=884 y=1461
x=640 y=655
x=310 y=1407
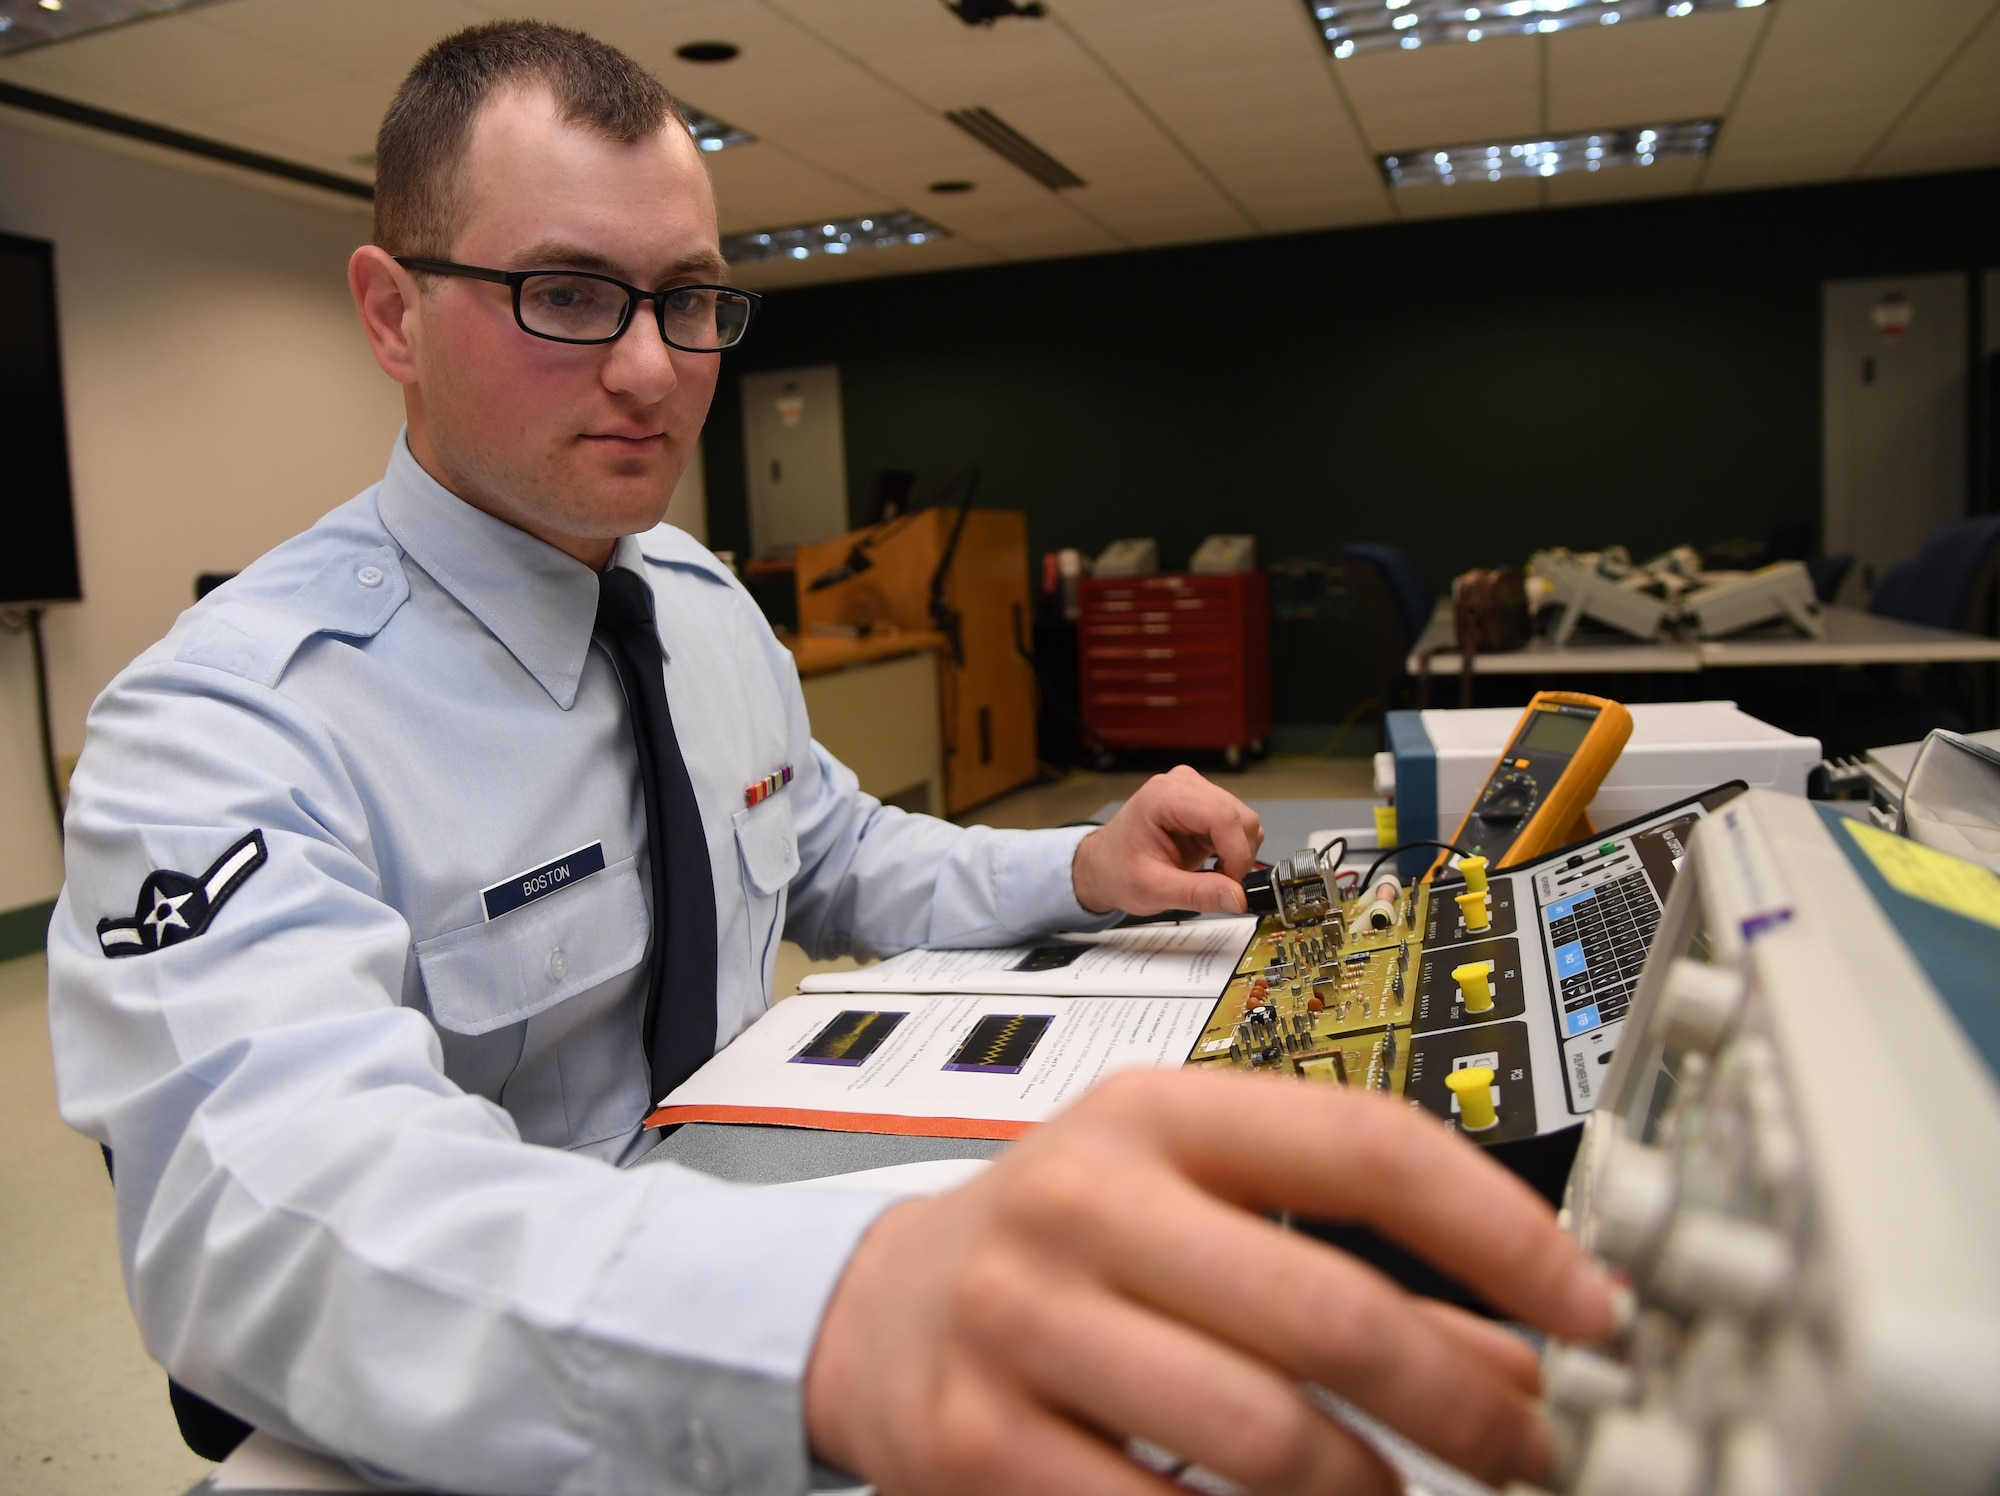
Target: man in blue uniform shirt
x=395 y=885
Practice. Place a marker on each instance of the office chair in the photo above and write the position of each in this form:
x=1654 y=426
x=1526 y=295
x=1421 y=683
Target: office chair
x=1827 y=573
x=1949 y=583
x=1399 y=603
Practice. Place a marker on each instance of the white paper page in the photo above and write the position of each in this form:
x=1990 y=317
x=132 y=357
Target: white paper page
x=263 y=1463
x=924 y=1176
x=990 y=1058
x=1195 y=958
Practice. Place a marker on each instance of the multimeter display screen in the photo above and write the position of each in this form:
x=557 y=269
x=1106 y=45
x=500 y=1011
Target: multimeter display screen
x=1556 y=732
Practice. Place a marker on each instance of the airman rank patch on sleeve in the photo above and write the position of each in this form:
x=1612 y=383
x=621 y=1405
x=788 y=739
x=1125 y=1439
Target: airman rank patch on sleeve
x=174 y=907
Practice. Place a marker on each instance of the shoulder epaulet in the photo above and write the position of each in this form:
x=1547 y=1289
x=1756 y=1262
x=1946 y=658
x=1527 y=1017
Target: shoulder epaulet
x=665 y=545
x=255 y=636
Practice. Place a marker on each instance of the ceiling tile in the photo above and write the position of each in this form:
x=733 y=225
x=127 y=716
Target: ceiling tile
x=1188 y=38
x=873 y=29
x=371 y=38
x=1960 y=151
x=762 y=187
x=1268 y=95
x=1649 y=72
x=1957 y=123
x=338 y=122
x=1445 y=95
x=902 y=160
x=1299 y=215
x=1841 y=129
x=1777 y=166
x=172 y=64
x=1075 y=236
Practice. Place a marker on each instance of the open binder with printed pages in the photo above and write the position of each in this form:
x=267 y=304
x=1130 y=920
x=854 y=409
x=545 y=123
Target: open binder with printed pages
x=969 y=1043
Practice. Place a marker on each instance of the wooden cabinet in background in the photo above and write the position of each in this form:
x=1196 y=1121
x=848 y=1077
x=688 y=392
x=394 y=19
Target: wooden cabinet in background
x=988 y=683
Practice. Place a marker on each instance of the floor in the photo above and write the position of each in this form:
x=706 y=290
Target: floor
x=83 y=1411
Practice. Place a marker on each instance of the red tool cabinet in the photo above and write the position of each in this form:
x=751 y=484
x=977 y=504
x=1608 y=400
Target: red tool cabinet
x=1177 y=662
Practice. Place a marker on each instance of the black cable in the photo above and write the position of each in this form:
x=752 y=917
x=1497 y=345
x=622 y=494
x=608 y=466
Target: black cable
x=1338 y=857
x=42 y=710
x=1368 y=878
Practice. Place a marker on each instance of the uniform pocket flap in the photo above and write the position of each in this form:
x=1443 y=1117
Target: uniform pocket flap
x=768 y=843
x=486 y=976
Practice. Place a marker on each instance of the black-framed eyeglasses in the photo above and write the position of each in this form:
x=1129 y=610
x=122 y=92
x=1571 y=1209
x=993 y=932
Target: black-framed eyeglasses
x=576 y=306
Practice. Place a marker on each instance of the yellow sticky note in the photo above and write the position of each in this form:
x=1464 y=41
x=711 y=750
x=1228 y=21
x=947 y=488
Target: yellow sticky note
x=1935 y=877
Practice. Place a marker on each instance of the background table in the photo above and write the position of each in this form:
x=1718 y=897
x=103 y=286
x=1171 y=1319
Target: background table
x=875 y=704
x=1853 y=637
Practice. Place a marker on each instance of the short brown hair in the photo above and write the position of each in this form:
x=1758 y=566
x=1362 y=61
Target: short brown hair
x=423 y=136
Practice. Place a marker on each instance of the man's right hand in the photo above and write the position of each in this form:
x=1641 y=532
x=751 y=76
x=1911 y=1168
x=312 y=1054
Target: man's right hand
x=1111 y=1277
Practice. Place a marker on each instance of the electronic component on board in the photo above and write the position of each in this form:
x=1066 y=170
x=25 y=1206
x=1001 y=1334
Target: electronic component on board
x=1298 y=889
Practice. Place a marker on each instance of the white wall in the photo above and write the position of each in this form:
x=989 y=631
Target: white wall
x=220 y=398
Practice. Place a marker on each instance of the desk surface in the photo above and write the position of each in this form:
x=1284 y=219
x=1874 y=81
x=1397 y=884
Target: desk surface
x=817 y=655
x=1853 y=637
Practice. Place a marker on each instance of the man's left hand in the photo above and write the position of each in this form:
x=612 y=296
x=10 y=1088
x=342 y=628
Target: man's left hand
x=1146 y=857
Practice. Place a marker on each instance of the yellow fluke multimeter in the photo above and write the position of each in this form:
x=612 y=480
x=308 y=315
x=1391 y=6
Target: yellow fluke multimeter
x=1537 y=796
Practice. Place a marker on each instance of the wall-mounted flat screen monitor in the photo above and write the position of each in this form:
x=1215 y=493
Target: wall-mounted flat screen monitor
x=37 y=525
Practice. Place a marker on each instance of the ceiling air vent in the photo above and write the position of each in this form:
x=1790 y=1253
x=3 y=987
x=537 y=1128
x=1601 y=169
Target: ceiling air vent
x=993 y=132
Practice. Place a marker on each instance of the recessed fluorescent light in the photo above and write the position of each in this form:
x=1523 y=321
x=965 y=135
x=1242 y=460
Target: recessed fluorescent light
x=25 y=27
x=803 y=241
x=1549 y=156
x=711 y=134
x=1351 y=26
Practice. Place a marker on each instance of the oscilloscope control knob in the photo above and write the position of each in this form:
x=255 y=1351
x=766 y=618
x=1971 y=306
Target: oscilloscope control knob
x=1710 y=1261
x=1260 y=890
x=1585 y=1382
x=1633 y=1198
x=1640 y=1454
x=1699 y=1004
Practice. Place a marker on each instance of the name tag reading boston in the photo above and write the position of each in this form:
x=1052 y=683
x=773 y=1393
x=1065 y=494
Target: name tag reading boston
x=510 y=894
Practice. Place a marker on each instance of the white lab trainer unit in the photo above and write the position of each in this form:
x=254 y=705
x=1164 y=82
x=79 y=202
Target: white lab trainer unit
x=1796 y=1160
x=1438 y=761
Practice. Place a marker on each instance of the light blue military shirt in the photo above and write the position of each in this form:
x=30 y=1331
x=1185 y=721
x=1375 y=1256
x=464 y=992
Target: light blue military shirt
x=366 y=1134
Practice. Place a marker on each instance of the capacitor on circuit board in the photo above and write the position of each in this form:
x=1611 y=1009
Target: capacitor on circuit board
x=1384 y=907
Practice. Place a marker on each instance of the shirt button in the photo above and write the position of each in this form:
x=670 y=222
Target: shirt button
x=369 y=576
x=558 y=964
x=697 y=1459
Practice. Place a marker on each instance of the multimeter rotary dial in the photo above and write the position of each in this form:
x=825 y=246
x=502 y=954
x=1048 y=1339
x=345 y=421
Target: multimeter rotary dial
x=1510 y=798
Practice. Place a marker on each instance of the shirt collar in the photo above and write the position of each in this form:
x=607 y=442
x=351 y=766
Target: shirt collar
x=538 y=602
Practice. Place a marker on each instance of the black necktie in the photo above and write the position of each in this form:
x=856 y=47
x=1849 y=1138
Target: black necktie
x=679 y=1032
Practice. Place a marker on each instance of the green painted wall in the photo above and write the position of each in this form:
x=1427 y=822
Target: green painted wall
x=1470 y=390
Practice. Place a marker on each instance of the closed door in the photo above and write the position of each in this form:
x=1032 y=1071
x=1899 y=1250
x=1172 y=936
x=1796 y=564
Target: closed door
x=795 y=457
x=1895 y=356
